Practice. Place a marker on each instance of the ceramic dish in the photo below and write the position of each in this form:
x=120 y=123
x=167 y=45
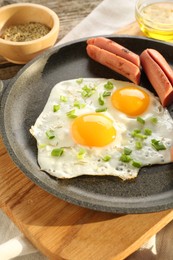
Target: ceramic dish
x=151 y=191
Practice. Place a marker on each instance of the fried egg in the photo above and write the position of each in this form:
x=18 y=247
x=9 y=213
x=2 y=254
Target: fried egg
x=98 y=126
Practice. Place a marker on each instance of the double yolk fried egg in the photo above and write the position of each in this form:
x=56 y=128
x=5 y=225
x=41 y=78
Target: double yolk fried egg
x=97 y=126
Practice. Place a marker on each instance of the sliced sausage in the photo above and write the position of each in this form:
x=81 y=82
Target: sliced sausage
x=115 y=62
x=159 y=74
x=115 y=48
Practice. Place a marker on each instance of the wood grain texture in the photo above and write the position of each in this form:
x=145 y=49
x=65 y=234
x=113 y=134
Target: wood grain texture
x=64 y=231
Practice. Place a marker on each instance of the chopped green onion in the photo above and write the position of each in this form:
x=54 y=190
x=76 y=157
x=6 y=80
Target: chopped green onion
x=136 y=131
x=106 y=93
x=101 y=100
x=137 y=164
x=137 y=134
x=154 y=120
x=127 y=151
x=140 y=120
x=71 y=114
x=106 y=158
x=125 y=158
x=101 y=109
x=138 y=145
x=147 y=131
x=88 y=91
x=81 y=153
x=109 y=85
x=79 y=105
x=50 y=134
x=157 y=145
x=79 y=81
x=41 y=146
x=63 y=99
x=57 y=152
x=56 y=108
x=141 y=136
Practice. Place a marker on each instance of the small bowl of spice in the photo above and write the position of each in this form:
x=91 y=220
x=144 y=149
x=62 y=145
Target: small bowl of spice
x=26 y=30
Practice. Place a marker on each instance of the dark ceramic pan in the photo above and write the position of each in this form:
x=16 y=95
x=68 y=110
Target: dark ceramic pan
x=24 y=97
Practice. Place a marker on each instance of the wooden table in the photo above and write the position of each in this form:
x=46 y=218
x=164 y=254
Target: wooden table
x=61 y=230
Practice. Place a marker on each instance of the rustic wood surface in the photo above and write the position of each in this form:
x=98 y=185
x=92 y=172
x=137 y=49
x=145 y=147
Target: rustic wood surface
x=61 y=230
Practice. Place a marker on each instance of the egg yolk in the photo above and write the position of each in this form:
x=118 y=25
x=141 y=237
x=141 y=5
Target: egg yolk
x=132 y=101
x=94 y=129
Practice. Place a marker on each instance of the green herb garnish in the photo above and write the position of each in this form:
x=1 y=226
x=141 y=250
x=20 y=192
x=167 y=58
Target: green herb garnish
x=56 y=108
x=137 y=134
x=135 y=131
x=137 y=164
x=157 y=145
x=101 y=100
x=50 y=134
x=88 y=91
x=138 y=145
x=125 y=158
x=101 y=109
x=127 y=151
x=109 y=85
x=106 y=93
x=81 y=154
x=57 y=152
x=71 y=114
x=147 y=131
x=79 y=81
x=140 y=120
x=154 y=120
x=63 y=98
x=79 y=105
x=41 y=146
x=106 y=158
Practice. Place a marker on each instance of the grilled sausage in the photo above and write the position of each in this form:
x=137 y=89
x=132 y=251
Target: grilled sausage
x=115 y=57
x=115 y=48
x=159 y=74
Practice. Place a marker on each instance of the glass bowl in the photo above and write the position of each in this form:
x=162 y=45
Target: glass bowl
x=155 y=18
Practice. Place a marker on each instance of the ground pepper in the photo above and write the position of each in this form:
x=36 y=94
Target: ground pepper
x=25 y=32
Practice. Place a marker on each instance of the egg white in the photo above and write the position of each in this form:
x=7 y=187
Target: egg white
x=68 y=165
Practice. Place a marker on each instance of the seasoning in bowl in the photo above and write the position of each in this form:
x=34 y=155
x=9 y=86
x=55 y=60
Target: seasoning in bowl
x=25 y=32
x=40 y=31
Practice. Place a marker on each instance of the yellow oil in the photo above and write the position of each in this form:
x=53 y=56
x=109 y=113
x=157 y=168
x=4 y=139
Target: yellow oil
x=156 y=20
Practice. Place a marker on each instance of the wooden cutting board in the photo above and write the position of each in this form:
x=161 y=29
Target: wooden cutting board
x=64 y=231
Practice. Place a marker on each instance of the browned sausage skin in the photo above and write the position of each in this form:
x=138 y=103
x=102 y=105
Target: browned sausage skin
x=159 y=74
x=115 y=48
x=114 y=62
x=115 y=57
x=160 y=60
